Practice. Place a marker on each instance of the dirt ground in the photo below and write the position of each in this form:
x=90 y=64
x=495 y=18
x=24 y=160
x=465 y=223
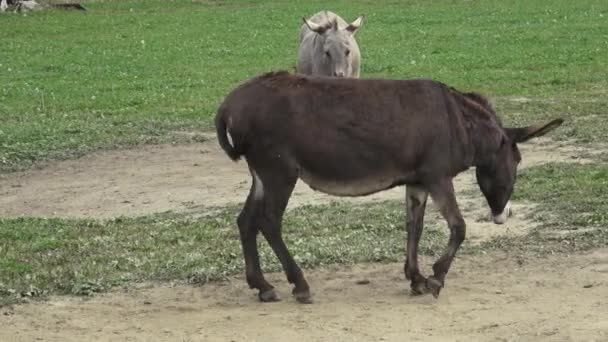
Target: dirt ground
x=489 y=298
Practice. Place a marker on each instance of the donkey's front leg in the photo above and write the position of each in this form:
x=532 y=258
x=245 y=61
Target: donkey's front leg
x=443 y=196
x=415 y=199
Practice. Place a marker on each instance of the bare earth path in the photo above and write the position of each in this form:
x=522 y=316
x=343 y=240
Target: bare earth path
x=490 y=298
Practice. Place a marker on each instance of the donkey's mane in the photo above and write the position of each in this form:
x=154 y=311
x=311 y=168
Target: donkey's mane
x=480 y=105
x=281 y=78
x=329 y=23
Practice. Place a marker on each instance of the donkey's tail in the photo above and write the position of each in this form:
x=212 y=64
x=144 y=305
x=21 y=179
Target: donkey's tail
x=225 y=139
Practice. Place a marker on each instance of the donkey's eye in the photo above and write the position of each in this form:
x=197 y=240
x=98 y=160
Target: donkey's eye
x=327 y=54
x=347 y=52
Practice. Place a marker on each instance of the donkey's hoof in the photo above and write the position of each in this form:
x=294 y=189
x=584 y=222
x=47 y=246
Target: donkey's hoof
x=418 y=288
x=303 y=297
x=434 y=286
x=268 y=296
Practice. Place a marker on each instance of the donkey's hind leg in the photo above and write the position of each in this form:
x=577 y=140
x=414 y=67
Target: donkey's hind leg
x=248 y=222
x=279 y=180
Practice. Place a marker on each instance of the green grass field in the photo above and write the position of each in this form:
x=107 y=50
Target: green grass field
x=138 y=72
x=127 y=73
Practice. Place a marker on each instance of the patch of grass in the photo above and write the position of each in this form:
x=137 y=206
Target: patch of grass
x=134 y=72
x=14 y=268
x=85 y=256
x=573 y=209
x=585 y=114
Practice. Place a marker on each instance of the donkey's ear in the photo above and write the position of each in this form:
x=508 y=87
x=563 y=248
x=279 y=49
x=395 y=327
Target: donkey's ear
x=320 y=29
x=518 y=135
x=355 y=25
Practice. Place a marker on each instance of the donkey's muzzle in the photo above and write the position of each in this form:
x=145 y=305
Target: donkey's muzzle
x=502 y=217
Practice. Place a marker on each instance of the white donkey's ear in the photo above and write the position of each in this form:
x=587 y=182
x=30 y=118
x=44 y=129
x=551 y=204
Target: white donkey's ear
x=320 y=29
x=355 y=25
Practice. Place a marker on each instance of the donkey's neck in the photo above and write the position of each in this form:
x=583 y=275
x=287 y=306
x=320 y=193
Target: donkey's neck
x=484 y=130
x=485 y=141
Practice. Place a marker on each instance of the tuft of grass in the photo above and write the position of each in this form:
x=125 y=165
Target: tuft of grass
x=573 y=209
x=86 y=256
x=126 y=73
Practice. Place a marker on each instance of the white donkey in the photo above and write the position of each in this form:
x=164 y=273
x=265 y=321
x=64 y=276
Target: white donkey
x=328 y=46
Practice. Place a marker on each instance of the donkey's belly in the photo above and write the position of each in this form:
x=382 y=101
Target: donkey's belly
x=352 y=187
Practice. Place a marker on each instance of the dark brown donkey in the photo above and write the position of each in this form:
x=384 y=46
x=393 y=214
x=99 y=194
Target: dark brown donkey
x=354 y=137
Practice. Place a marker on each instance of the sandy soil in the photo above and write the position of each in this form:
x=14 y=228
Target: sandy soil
x=489 y=298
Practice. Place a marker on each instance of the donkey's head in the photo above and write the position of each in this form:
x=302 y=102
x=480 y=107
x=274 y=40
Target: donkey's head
x=337 y=44
x=496 y=176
